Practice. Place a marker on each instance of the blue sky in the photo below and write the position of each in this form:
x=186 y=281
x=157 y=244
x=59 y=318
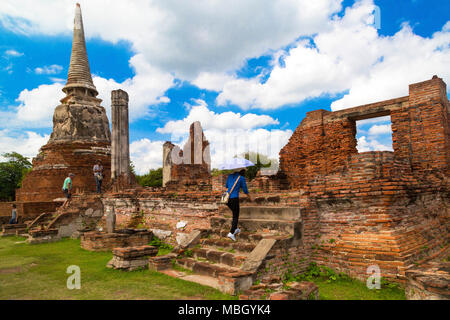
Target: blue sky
x=255 y=67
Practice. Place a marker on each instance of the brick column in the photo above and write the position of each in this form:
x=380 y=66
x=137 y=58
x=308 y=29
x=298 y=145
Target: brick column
x=421 y=131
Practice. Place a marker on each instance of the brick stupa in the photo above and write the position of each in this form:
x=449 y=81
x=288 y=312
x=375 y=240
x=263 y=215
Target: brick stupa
x=80 y=136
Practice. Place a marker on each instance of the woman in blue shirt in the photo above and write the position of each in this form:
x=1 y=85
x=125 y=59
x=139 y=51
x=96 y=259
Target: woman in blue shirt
x=13 y=215
x=233 y=201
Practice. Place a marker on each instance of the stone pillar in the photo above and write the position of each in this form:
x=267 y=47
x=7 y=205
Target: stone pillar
x=167 y=162
x=120 y=140
x=111 y=221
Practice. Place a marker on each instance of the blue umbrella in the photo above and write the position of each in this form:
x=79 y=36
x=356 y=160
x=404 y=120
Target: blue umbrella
x=236 y=163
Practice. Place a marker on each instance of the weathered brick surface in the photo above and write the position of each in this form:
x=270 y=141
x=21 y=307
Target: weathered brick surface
x=28 y=210
x=99 y=241
x=383 y=208
x=276 y=290
x=131 y=258
x=189 y=168
x=53 y=164
x=162 y=210
x=43 y=236
x=430 y=281
x=376 y=213
x=159 y=263
x=135 y=252
x=13 y=229
x=324 y=141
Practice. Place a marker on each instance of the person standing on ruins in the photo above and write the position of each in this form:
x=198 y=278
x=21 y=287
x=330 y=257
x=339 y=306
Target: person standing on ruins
x=234 y=183
x=98 y=175
x=67 y=188
x=13 y=215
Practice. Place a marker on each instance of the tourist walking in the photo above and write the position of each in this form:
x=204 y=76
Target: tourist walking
x=13 y=215
x=235 y=182
x=98 y=175
x=67 y=189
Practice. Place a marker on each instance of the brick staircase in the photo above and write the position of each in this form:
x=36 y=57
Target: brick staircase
x=231 y=267
x=42 y=220
x=81 y=213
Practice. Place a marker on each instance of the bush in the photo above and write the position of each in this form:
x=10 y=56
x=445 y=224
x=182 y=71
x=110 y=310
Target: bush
x=152 y=179
x=160 y=244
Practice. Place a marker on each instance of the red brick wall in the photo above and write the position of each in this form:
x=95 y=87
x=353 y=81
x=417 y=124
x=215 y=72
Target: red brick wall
x=163 y=210
x=28 y=209
x=324 y=141
x=375 y=213
x=421 y=129
x=97 y=241
x=383 y=208
x=45 y=181
x=318 y=146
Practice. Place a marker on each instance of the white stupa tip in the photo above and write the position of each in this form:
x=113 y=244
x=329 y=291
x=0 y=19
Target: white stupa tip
x=78 y=22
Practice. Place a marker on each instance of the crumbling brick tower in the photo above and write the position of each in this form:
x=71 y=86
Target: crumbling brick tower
x=80 y=136
x=190 y=166
x=388 y=209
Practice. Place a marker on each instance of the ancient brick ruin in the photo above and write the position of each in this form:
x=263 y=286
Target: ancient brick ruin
x=379 y=208
x=190 y=167
x=80 y=136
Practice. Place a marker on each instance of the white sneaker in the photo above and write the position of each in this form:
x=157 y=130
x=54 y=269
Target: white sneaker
x=237 y=231
x=231 y=236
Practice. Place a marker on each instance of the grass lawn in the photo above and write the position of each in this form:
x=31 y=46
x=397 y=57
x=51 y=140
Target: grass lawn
x=39 y=272
x=355 y=290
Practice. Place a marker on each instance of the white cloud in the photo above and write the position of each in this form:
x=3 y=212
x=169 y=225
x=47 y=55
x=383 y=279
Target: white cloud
x=371 y=144
x=27 y=144
x=211 y=120
x=13 y=53
x=380 y=129
x=37 y=105
x=212 y=81
x=180 y=37
x=146 y=155
x=53 y=69
x=146 y=88
x=228 y=143
x=8 y=68
x=348 y=56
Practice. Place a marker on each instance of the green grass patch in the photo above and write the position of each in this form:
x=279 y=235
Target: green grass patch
x=352 y=289
x=39 y=272
x=338 y=286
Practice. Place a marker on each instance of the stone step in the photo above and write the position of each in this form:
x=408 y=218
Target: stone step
x=228 y=244
x=205 y=268
x=221 y=257
x=251 y=236
x=257 y=225
x=248 y=236
x=230 y=282
x=268 y=213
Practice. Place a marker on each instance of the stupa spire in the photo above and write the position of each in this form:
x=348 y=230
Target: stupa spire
x=79 y=76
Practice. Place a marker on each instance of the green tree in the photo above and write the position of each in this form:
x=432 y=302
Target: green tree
x=152 y=179
x=12 y=173
x=262 y=161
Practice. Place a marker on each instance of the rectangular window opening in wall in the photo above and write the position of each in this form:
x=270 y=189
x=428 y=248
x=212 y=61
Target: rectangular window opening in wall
x=374 y=134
